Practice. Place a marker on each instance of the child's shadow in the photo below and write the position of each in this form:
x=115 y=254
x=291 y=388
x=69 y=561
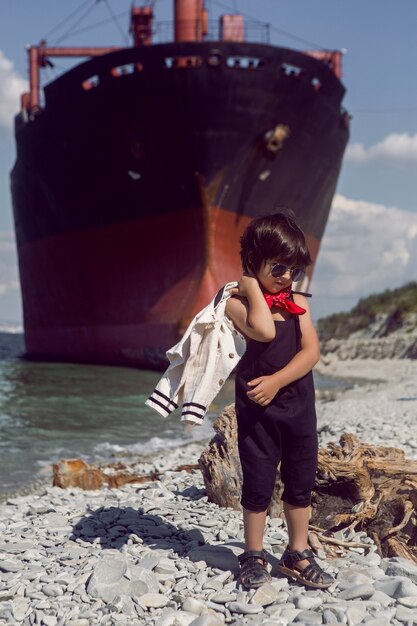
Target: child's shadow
x=111 y=527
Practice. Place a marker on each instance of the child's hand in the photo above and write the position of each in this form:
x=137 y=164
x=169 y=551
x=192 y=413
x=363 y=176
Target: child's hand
x=246 y=285
x=265 y=388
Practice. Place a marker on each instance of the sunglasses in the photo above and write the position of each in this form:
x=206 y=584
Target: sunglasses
x=296 y=273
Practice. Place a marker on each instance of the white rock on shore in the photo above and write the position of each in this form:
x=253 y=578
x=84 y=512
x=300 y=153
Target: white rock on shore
x=159 y=554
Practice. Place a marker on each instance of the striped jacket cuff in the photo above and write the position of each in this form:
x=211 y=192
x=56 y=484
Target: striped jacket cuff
x=193 y=412
x=161 y=403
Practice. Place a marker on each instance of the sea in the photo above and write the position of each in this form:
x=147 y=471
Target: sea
x=53 y=411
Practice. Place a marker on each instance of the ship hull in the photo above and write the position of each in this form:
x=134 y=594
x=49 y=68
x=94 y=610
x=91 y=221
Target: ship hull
x=130 y=196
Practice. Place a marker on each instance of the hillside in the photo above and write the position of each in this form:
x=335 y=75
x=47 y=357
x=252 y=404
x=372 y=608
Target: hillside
x=382 y=325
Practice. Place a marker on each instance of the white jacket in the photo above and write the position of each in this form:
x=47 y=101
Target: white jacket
x=200 y=363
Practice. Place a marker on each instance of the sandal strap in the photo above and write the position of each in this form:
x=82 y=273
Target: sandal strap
x=312 y=572
x=260 y=554
x=292 y=556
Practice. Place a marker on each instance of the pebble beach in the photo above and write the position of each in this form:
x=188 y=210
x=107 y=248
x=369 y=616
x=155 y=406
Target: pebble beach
x=158 y=553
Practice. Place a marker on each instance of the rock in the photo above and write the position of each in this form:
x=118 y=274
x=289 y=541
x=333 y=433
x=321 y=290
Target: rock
x=192 y=605
x=153 y=600
x=184 y=618
x=166 y=618
x=329 y=617
x=52 y=590
x=16 y=547
x=355 y=615
x=107 y=580
x=207 y=620
x=135 y=588
x=403 y=614
x=357 y=591
x=396 y=587
x=409 y=601
x=55 y=520
x=243 y=608
x=221 y=597
x=265 y=595
x=307 y=602
x=216 y=556
x=398 y=566
x=308 y=617
x=20 y=609
x=10 y=566
x=289 y=614
x=383 y=599
x=138 y=573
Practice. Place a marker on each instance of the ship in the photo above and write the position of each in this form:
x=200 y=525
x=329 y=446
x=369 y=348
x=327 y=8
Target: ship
x=138 y=169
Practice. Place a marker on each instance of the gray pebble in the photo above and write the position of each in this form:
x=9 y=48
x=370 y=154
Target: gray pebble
x=357 y=591
x=10 y=566
x=404 y=614
x=207 y=620
x=329 y=617
x=221 y=597
x=52 y=590
x=397 y=566
x=396 y=587
x=245 y=609
x=309 y=617
x=192 y=605
x=307 y=602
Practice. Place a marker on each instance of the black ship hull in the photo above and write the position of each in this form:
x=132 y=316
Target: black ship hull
x=133 y=184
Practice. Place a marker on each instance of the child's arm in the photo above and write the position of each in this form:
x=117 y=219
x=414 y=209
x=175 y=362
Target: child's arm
x=265 y=388
x=249 y=311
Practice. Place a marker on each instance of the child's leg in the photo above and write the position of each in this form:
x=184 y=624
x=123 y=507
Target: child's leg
x=297 y=519
x=254 y=528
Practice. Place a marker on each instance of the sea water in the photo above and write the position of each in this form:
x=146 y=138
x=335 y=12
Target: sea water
x=52 y=411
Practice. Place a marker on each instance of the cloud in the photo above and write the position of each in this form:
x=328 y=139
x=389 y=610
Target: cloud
x=367 y=248
x=400 y=148
x=11 y=87
x=9 y=275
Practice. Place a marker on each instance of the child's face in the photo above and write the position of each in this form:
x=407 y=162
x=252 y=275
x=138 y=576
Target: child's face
x=270 y=283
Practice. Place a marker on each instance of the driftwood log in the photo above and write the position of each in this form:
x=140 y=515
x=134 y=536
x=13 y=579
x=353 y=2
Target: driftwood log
x=78 y=473
x=359 y=486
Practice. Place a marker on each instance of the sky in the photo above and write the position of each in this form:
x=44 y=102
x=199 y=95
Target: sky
x=370 y=243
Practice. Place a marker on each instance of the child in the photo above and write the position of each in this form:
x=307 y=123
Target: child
x=275 y=395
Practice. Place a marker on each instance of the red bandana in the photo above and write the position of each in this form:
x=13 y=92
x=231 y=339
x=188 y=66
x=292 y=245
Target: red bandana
x=283 y=301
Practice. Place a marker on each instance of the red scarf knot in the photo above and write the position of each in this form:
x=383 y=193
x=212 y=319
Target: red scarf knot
x=283 y=301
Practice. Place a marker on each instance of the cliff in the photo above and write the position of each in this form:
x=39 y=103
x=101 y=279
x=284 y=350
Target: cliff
x=380 y=326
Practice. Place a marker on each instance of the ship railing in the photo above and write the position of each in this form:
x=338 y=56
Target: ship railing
x=256 y=32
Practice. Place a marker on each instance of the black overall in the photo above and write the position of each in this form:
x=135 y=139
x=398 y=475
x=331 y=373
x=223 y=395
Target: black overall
x=284 y=431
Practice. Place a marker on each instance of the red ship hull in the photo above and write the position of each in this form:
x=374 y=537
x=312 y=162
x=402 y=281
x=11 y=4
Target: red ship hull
x=131 y=263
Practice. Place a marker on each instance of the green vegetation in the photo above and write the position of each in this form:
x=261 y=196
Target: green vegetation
x=397 y=303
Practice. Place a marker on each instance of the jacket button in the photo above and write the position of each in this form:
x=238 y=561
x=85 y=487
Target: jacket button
x=221 y=381
x=231 y=355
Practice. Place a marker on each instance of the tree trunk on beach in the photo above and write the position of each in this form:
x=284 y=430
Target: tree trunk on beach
x=358 y=485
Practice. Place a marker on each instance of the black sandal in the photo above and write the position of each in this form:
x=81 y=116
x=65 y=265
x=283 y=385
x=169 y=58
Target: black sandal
x=253 y=574
x=311 y=576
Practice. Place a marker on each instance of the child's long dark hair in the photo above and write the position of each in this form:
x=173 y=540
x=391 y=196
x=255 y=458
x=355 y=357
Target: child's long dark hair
x=274 y=236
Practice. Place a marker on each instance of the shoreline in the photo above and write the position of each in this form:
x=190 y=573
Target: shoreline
x=362 y=374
